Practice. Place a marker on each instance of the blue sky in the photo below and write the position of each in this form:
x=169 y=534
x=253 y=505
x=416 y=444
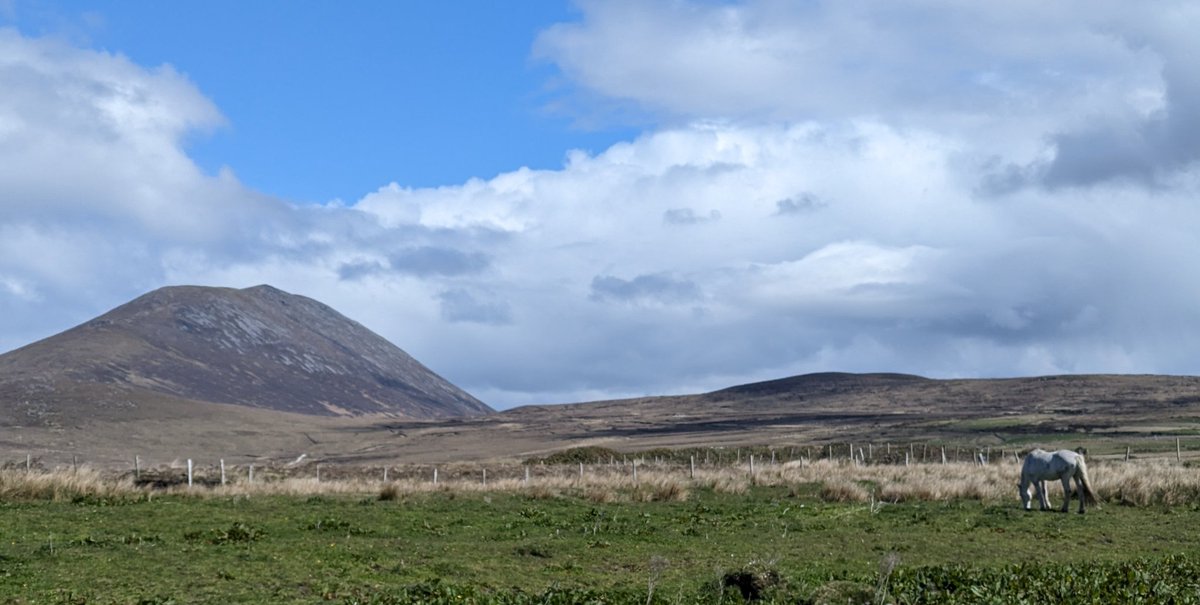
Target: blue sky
x=327 y=100
x=550 y=202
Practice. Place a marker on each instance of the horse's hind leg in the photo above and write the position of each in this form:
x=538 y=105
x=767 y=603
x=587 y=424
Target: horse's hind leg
x=1066 y=481
x=1082 y=498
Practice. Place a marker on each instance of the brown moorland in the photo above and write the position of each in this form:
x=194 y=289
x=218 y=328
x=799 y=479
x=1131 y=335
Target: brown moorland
x=262 y=375
x=1105 y=412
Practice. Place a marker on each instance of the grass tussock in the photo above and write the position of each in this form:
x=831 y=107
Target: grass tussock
x=841 y=490
x=601 y=495
x=725 y=482
x=661 y=489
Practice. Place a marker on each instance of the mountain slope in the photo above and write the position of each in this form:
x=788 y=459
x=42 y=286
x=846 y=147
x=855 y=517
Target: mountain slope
x=258 y=347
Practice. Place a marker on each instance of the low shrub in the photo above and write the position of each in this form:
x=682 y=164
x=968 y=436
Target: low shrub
x=1174 y=579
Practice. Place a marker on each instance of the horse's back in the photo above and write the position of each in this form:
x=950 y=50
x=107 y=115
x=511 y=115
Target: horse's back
x=1040 y=464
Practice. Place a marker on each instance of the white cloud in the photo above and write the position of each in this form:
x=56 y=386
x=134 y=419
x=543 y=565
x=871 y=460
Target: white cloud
x=832 y=59
x=1111 y=87
x=905 y=267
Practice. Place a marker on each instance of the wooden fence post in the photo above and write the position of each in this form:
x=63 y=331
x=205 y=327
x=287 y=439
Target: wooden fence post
x=751 y=465
x=581 y=471
x=250 y=474
x=1178 y=452
x=137 y=468
x=435 y=475
x=189 y=472
x=28 y=462
x=1127 y=453
x=635 y=470
x=385 y=470
x=485 y=477
x=943 y=454
x=526 y=474
x=692 y=474
x=74 y=463
x=222 y=471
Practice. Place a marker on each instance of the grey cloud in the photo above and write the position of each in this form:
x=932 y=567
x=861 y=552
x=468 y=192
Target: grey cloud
x=644 y=288
x=427 y=261
x=687 y=216
x=1145 y=149
x=798 y=204
x=359 y=270
x=459 y=305
x=1164 y=141
x=1145 y=153
x=997 y=177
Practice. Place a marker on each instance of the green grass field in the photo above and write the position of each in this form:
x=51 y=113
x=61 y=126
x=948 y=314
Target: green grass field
x=782 y=544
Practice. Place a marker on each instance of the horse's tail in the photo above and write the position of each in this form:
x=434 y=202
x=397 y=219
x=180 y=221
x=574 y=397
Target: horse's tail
x=1088 y=492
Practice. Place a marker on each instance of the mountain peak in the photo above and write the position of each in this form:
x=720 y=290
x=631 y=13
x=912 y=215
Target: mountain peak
x=258 y=347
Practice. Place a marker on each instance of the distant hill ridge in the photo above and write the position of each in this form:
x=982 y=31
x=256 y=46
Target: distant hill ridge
x=821 y=381
x=258 y=347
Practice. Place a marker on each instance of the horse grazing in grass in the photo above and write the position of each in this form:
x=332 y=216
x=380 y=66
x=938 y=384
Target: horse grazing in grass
x=1064 y=465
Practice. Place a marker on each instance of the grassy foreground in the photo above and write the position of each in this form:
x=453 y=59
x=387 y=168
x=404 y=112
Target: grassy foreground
x=777 y=543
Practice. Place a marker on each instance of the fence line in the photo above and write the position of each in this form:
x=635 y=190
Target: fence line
x=688 y=462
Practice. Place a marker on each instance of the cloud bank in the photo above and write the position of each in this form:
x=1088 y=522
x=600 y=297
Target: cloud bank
x=936 y=188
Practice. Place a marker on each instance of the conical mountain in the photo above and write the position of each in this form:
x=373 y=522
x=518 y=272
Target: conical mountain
x=258 y=347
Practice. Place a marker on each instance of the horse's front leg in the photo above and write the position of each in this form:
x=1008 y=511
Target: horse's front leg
x=1040 y=487
x=1066 y=482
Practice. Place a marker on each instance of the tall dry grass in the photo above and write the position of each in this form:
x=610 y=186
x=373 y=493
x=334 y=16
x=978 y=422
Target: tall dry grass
x=16 y=485
x=1154 y=482
x=843 y=481
x=1135 y=483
